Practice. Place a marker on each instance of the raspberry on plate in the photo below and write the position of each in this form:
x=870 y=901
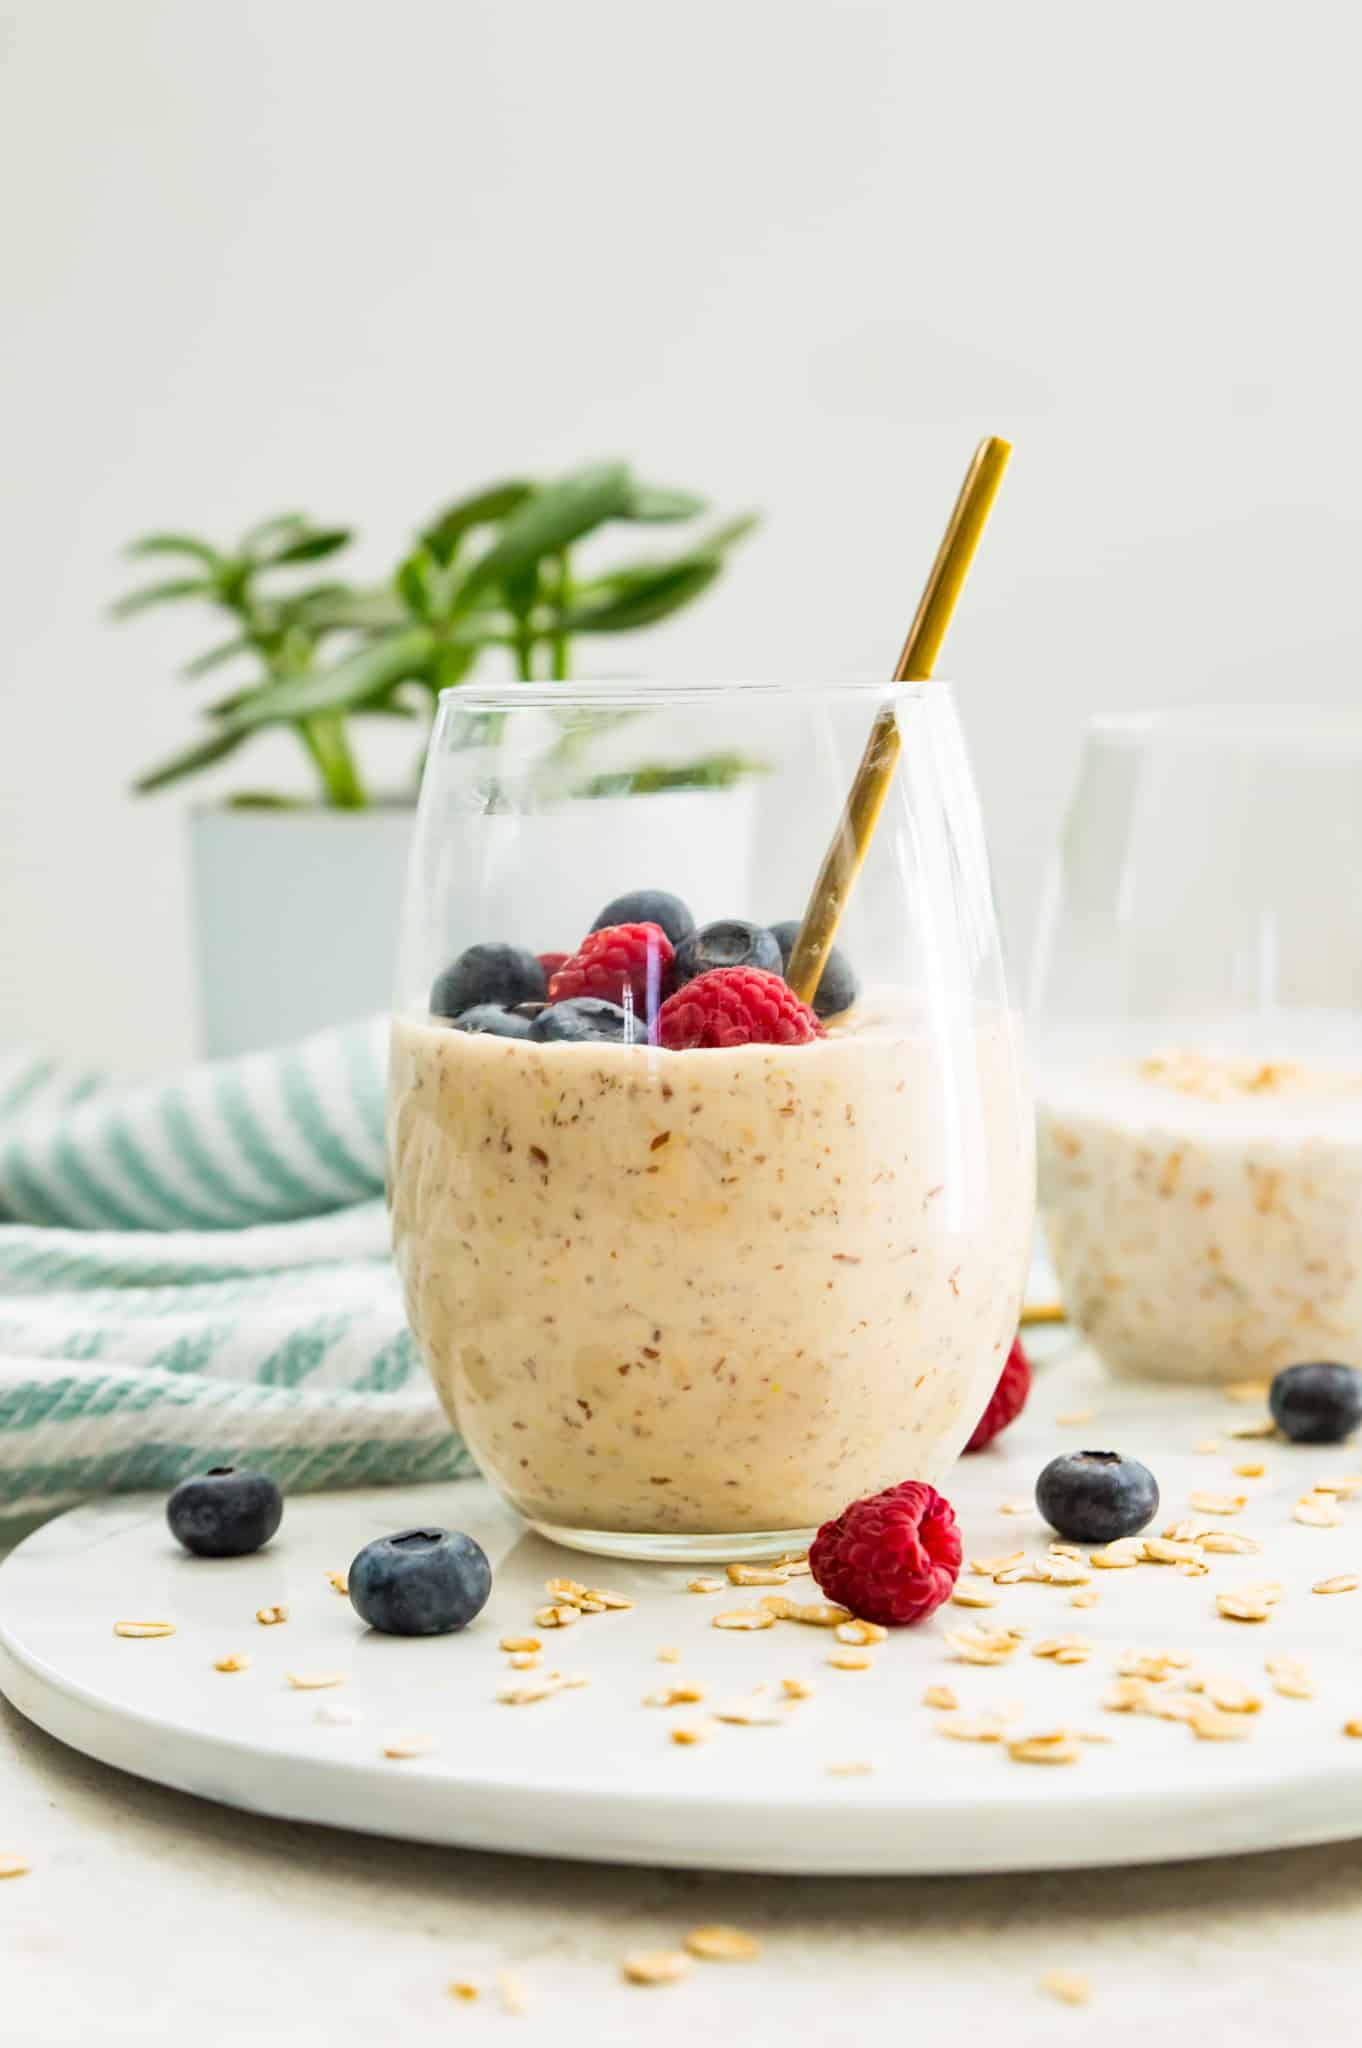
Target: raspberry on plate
x=892 y=1558
x=1007 y=1399
x=637 y=957
x=735 y=1006
x=551 y=962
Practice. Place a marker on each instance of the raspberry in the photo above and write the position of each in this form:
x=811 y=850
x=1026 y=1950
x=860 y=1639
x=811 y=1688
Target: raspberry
x=637 y=957
x=735 y=1006
x=551 y=962
x=1007 y=1400
x=892 y=1558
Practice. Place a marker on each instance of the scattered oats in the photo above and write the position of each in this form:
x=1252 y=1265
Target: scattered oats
x=702 y=1584
x=564 y=1589
x=512 y=1993
x=538 y=1689
x=333 y=1715
x=1348 y=1484
x=1247 y=1392
x=1055 y=1746
x=989 y=1567
x=588 y=1605
x=1189 y=1530
x=235 y=1660
x=1230 y=1543
x=1343 y=1582
x=1063 y=1650
x=685 y=1695
x=1290 y=1678
x=941 y=1696
x=466 y=1992
x=615 y=1603
x=1154 y=1665
x=1250 y=1468
x=1194 y=1568
x=859 y=1633
x=1218 y=1503
x=1352 y=1727
x=1015 y=1507
x=796 y=1688
x=745 y=1618
x=687 y=1733
x=982 y=1645
x=755 y=1575
x=1242 y=1607
x=1067 y=1550
x=757 y=1711
x=1063 y=1571
x=14 y=1866
x=973 y=1596
x=520 y=1643
x=138 y=1629
x=1088 y=1599
x=1211 y=1443
x=339 y=1582
x=850 y=1660
x=722 y=1944
x=1249 y=1432
x=1229 y=1695
x=854 y=1767
x=791 y=1560
x=669 y=1654
x=524 y=1660
x=403 y=1746
x=986 y=1727
x=1209 y=1724
x=797 y=1568
x=1092 y=1735
x=655 y=1966
x=815 y=1613
x=1120 y=1556
x=1127 y=1696
x=314 y=1681
x=1066 y=1987
x=562 y=1615
x=270 y=1617
x=1318 y=1511
x=1075 y=1418
x=1158 y=1550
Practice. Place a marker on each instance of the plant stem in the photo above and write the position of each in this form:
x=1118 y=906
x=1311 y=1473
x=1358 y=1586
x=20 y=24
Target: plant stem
x=560 y=643
x=524 y=652
x=326 y=741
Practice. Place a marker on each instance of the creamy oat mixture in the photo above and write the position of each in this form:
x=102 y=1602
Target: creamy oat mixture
x=715 y=1291
x=1205 y=1214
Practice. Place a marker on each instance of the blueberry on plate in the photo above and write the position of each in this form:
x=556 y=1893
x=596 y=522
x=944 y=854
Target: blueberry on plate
x=728 y=943
x=838 y=985
x=1316 y=1404
x=225 y=1512
x=488 y=974
x=421 y=1582
x=493 y=1021
x=582 y=1018
x=649 y=906
x=1097 y=1496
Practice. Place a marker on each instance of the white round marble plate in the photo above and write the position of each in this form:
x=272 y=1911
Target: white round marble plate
x=592 y=1772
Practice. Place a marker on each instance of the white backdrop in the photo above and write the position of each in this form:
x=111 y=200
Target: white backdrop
x=354 y=256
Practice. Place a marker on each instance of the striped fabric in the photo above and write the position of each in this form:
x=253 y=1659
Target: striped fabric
x=197 y=1272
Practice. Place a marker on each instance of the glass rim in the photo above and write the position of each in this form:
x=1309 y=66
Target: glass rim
x=635 y=692
x=1229 y=725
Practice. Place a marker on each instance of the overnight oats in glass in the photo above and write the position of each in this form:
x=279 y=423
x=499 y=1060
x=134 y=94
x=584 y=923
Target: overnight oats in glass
x=692 y=1263
x=1199 y=1028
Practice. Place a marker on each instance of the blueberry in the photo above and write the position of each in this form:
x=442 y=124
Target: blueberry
x=488 y=974
x=588 y=1017
x=1097 y=1496
x=494 y=1022
x=838 y=985
x=729 y=943
x=1316 y=1404
x=649 y=906
x=225 y=1512
x=421 y=1582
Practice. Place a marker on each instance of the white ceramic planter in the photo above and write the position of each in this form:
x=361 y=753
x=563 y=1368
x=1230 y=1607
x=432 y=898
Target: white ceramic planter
x=295 y=919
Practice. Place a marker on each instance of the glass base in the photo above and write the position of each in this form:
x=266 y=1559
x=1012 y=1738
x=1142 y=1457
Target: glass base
x=748 y=1546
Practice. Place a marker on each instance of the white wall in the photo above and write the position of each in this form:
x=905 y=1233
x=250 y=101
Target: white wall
x=796 y=252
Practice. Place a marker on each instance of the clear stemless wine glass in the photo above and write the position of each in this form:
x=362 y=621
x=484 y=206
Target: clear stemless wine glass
x=691 y=1267
x=1197 y=1014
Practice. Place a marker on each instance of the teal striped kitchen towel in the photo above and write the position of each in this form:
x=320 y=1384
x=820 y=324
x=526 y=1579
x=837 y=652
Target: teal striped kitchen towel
x=197 y=1272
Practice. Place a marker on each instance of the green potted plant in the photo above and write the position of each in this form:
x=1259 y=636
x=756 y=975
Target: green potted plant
x=294 y=899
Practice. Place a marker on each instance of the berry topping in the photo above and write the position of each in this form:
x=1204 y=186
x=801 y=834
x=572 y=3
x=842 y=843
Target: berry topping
x=1316 y=1404
x=735 y=1006
x=493 y=1021
x=587 y=1017
x=637 y=957
x=488 y=974
x=729 y=943
x=1097 y=1496
x=1006 y=1401
x=551 y=962
x=423 y=1582
x=838 y=985
x=225 y=1512
x=649 y=906
x=892 y=1558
